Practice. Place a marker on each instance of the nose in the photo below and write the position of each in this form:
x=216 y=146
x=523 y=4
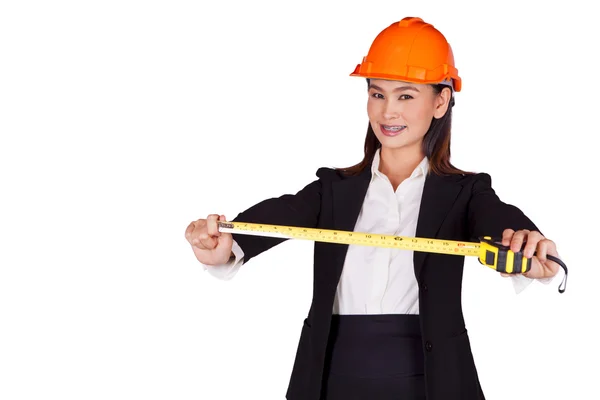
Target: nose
x=390 y=111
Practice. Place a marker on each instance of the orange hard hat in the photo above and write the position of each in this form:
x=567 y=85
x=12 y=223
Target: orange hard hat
x=410 y=50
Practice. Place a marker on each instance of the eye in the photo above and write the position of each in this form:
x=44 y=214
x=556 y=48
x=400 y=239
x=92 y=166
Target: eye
x=377 y=95
x=405 y=97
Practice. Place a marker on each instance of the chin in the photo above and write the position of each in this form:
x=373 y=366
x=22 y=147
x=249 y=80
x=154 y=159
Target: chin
x=393 y=144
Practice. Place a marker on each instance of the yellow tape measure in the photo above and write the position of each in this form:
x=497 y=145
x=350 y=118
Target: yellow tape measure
x=490 y=252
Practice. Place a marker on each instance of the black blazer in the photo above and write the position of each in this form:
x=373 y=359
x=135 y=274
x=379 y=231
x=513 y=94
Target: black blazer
x=455 y=207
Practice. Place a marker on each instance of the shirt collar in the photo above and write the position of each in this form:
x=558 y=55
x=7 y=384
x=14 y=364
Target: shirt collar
x=419 y=170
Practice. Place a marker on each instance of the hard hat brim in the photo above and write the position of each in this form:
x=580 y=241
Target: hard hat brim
x=456 y=81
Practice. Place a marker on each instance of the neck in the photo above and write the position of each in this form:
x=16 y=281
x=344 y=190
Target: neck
x=399 y=162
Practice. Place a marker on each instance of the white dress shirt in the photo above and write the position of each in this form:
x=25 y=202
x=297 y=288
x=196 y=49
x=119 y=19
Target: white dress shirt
x=377 y=280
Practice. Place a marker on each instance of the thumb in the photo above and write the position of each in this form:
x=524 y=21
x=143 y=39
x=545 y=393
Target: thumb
x=222 y=218
x=225 y=235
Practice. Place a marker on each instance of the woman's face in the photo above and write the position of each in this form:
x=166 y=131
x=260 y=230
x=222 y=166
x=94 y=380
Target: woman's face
x=400 y=113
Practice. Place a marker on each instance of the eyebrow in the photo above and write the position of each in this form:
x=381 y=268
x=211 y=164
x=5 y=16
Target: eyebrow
x=399 y=88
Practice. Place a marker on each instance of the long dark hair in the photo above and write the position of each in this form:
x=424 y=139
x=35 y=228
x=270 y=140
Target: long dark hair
x=436 y=145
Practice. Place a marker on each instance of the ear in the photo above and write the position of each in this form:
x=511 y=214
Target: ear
x=442 y=101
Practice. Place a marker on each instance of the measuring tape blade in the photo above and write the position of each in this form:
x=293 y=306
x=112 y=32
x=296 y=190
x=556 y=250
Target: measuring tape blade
x=490 y=251
x=355 y=238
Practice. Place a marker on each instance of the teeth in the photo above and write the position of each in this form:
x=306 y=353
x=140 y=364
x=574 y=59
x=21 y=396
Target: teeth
x=393 y=128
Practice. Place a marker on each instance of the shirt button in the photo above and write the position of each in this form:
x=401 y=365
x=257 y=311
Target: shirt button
x=428 y=346
x=424 y=287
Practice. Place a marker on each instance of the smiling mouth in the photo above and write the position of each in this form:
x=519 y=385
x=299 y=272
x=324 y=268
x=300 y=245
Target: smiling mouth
x=392 y=130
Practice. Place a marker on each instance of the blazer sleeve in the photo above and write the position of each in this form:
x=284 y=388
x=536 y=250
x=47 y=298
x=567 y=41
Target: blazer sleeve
x=301 y=209
x=487 y=215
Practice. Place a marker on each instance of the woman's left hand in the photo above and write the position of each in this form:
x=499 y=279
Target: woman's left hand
x=541 y=267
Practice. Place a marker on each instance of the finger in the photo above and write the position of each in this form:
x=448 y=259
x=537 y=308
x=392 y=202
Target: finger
x=542 y=250
x=207 y=242
x=536 y=269
x=194 y=229
x=202 y=239
x=189 y=230
x=517 y=240
x=533 y=240
x=211 y=225
x=504 y=274
x=198 y=235
x=506 y=236
x=545 y=248
x=222 y=218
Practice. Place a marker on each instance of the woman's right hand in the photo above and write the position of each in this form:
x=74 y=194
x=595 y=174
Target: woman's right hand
x=210 y=246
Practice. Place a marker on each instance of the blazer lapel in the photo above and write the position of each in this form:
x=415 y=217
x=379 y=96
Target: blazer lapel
x=439 y=194
x=348 y=197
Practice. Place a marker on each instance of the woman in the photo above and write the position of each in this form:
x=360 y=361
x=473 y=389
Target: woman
x=387 y=323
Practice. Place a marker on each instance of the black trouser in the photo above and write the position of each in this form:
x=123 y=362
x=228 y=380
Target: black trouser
x=374 y=357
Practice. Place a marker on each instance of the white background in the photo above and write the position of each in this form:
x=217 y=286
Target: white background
x=123 y=121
